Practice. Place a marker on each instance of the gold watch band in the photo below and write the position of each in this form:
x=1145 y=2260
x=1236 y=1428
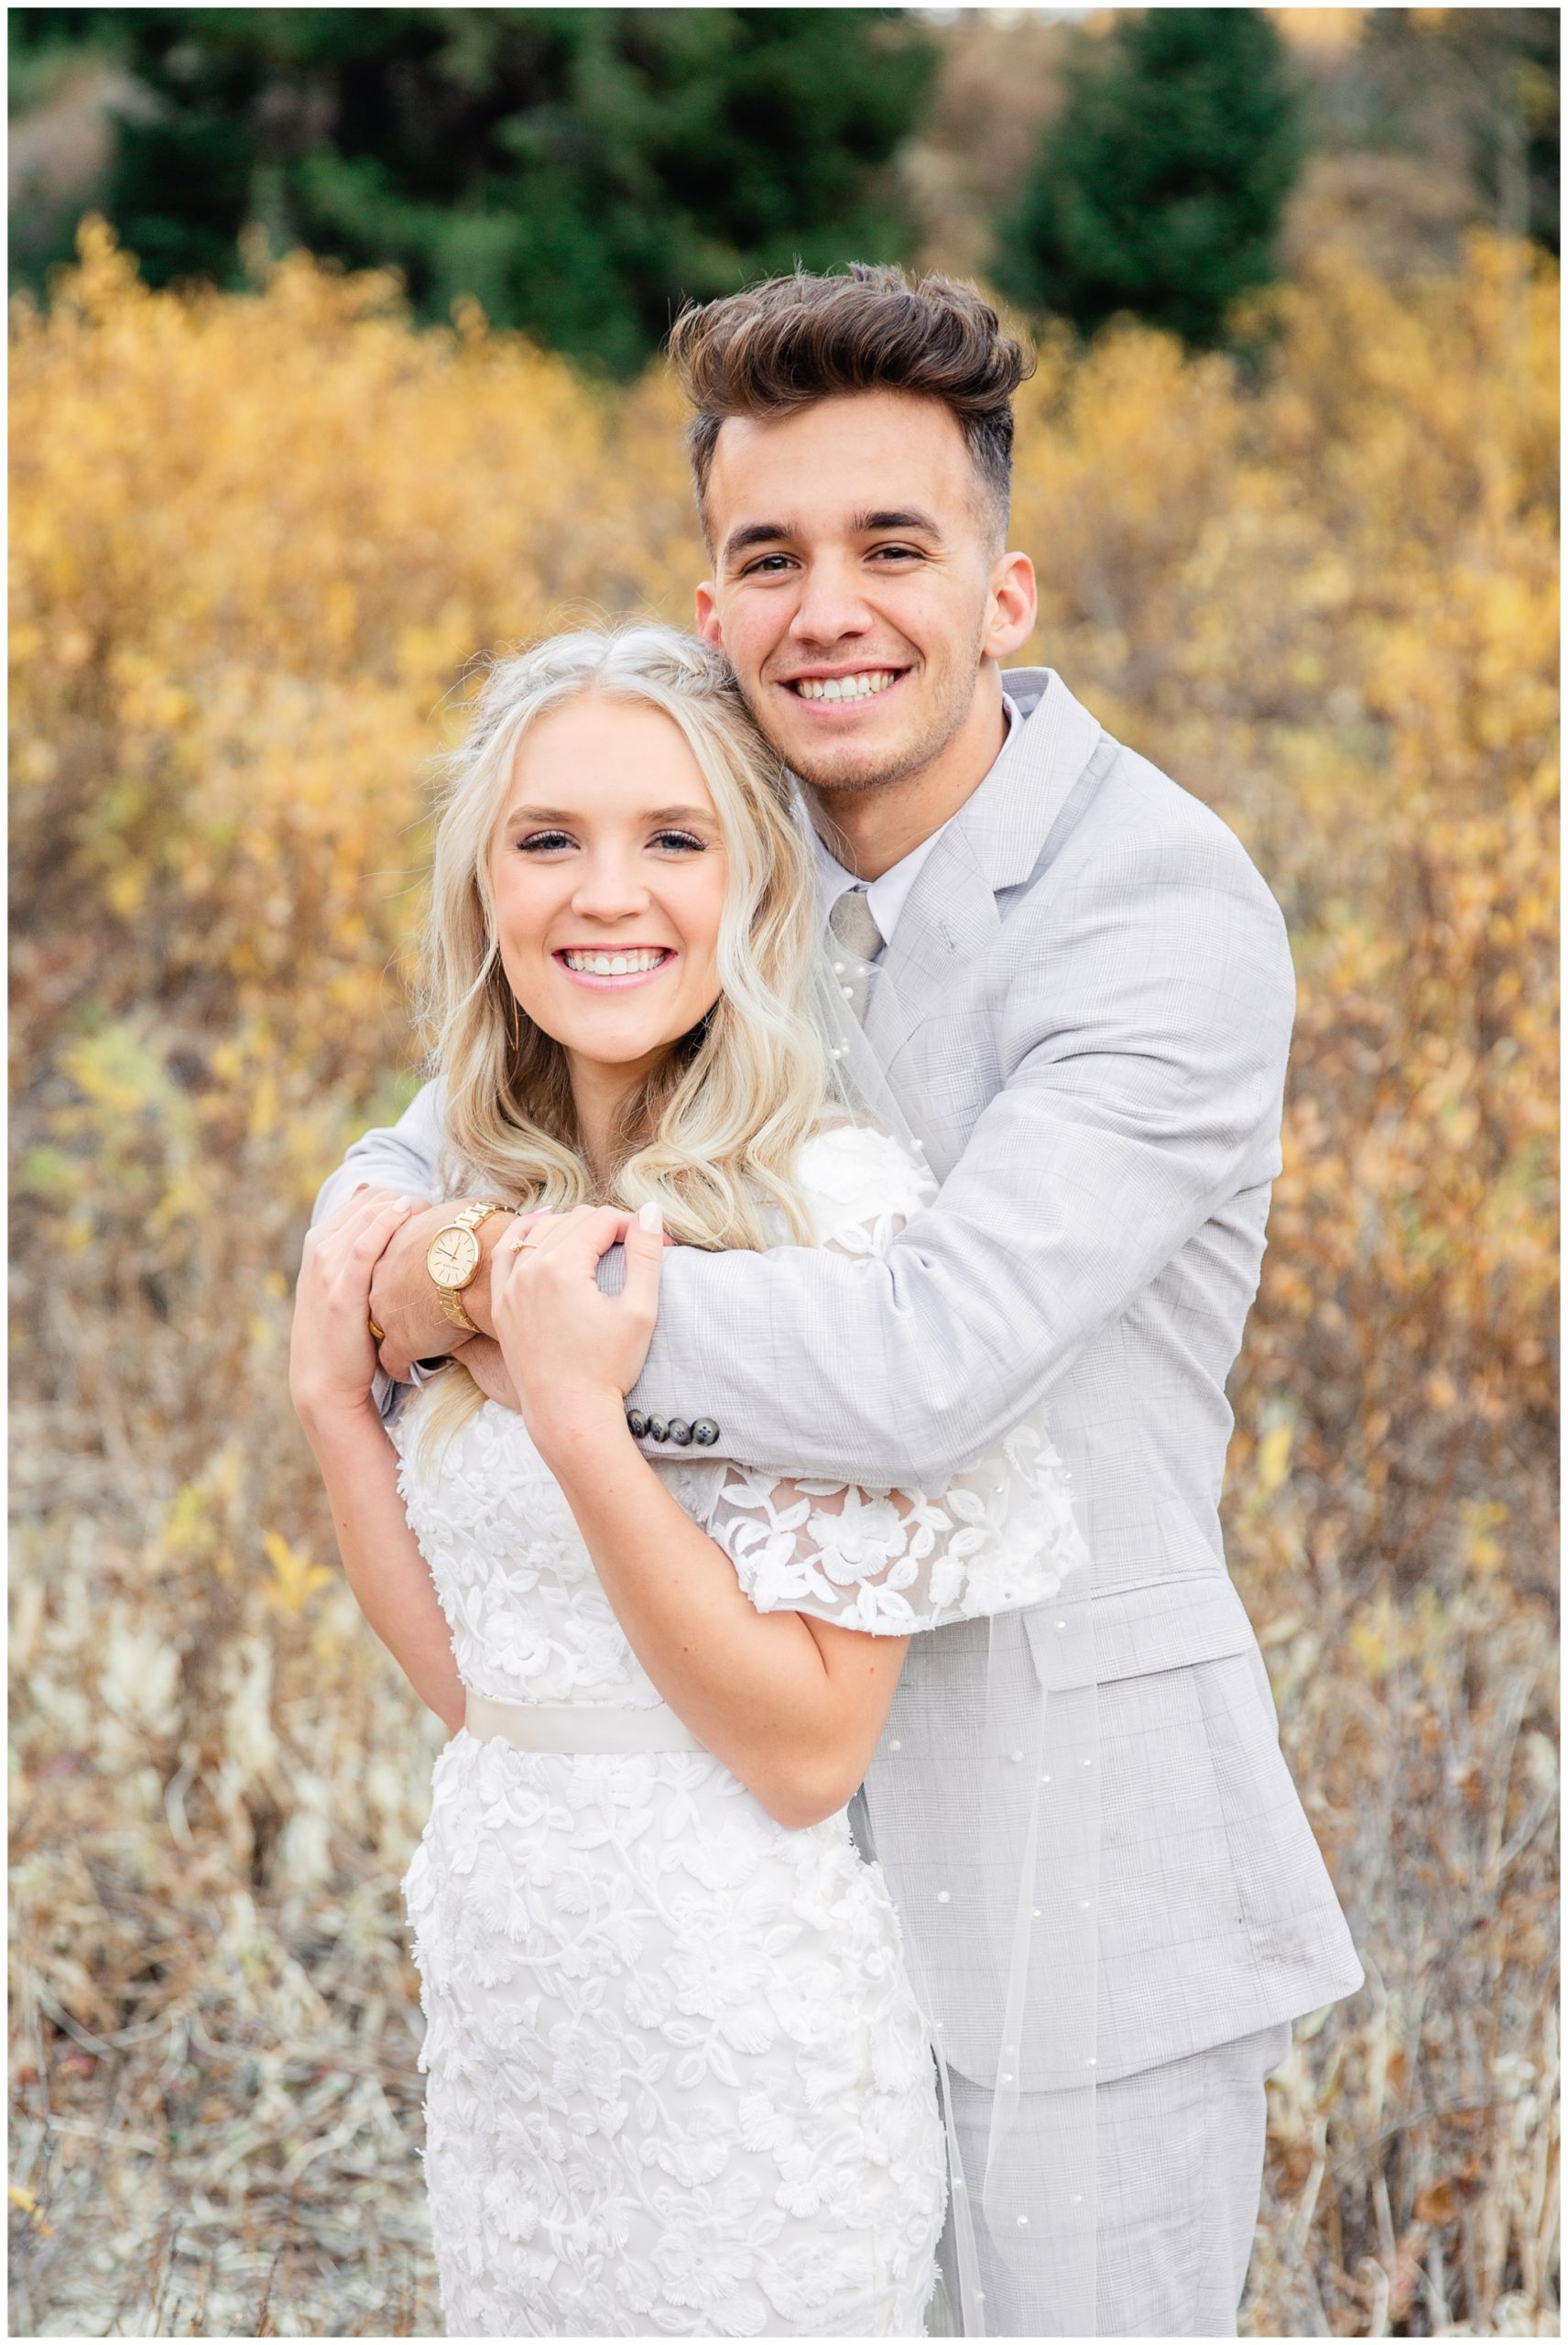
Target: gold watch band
x=447 y=1297
x=470 y=1218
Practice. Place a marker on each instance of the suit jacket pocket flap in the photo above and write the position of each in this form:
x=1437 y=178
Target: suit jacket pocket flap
x=1161 y=1624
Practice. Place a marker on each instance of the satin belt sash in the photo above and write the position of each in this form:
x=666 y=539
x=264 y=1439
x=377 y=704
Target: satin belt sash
x=573 y=1729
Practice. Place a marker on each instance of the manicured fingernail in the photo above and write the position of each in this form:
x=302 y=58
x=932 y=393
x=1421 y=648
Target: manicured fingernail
x=401 y=1204
x=649 y=1217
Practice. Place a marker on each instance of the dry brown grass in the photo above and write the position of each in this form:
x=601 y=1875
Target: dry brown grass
x=254 y=542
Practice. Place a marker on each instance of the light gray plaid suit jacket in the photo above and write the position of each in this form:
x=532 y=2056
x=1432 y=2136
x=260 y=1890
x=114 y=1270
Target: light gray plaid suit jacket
x=1085 y=1014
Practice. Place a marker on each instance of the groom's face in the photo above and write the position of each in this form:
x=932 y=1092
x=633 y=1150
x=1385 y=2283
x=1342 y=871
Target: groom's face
x=859 y=586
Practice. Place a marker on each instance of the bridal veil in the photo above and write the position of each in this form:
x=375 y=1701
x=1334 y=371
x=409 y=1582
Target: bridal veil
x=1031 y=2205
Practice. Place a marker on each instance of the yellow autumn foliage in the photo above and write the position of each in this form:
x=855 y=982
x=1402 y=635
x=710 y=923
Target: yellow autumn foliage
x=255 y=540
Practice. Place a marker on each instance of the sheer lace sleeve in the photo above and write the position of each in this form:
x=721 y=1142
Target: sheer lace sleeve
x=891 y=1563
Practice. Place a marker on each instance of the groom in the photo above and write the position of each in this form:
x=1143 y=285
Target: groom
x=1082 y=1005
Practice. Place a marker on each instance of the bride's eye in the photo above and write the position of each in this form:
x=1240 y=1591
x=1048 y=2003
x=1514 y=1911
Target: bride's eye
x=680 y=840
x=542 y=842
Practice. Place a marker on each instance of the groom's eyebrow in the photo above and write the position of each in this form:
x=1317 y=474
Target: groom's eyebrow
x=861 y=524
x=755 y=533
x=866 y=525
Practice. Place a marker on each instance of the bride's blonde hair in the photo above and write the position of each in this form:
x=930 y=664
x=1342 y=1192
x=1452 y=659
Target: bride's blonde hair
x=713 y=1133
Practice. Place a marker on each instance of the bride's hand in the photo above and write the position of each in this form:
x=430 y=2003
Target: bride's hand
x=332 y=1352
x=573 y=1352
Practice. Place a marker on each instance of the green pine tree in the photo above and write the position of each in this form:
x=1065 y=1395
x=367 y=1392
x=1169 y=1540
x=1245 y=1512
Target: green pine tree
x=581 y=171
x=1159 y=189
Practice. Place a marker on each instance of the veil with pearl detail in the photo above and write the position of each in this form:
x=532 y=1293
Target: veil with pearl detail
x=1024 y=2199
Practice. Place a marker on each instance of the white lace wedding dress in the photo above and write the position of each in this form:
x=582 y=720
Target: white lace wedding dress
x=677 y=2080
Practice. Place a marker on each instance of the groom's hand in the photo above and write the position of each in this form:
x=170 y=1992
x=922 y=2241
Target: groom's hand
x=403 y=1298
x=482 y=1358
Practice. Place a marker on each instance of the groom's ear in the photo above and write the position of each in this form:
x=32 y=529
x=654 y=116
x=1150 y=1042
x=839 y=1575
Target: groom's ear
x=707 y=625
x=1013 y=604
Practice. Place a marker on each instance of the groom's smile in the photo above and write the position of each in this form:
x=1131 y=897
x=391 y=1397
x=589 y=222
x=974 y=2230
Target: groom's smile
x=839 y=687
x=841 y=692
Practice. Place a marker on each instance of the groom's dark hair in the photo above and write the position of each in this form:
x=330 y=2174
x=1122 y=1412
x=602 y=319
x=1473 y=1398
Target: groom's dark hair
x=782 y=346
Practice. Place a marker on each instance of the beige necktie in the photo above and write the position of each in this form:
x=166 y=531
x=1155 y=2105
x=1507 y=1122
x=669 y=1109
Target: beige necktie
x=855 y=927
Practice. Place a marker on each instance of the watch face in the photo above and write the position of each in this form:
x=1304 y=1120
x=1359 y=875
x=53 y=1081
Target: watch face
x=453 y=1257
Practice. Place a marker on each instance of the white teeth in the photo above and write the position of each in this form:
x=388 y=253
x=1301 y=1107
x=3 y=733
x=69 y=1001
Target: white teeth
x=861 y=687
x=616 y=965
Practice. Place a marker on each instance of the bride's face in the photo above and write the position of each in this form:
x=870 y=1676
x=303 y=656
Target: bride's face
x=609 y=874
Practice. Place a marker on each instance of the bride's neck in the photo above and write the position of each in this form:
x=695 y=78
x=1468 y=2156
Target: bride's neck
x=600 y=1091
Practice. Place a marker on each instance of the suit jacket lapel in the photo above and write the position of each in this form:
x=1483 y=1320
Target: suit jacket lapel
x=993 y=843
x=951 y=914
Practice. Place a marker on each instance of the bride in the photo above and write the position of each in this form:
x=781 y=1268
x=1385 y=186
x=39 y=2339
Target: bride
x=679 y=2078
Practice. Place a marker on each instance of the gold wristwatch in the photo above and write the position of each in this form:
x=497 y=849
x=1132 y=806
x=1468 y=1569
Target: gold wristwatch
x=453 y=1258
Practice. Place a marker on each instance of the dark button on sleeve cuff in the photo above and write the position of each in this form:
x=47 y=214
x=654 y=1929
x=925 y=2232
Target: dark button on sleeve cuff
x=703 y=1431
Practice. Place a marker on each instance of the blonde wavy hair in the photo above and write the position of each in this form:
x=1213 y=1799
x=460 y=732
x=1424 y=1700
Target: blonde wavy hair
x=714 y=1134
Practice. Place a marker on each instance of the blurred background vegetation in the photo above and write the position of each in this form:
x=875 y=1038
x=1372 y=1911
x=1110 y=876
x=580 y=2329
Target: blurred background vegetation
x=581 y=172
x=370 y=380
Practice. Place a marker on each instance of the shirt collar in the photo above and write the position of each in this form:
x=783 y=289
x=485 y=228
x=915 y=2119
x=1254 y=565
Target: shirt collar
x=887 y=897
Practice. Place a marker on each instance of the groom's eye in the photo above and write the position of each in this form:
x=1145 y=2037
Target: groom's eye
x=770 y=565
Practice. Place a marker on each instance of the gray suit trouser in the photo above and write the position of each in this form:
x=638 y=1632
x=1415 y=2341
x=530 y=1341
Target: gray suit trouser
x=1179 y=2158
